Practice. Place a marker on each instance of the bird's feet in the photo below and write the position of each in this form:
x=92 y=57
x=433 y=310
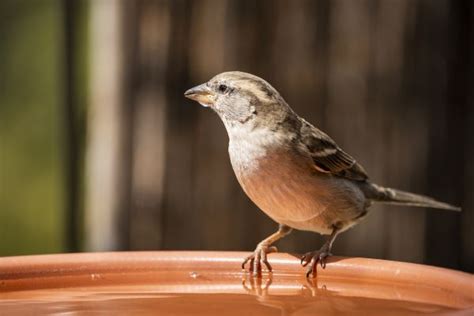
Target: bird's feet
x=313 y=258
x=258 y=257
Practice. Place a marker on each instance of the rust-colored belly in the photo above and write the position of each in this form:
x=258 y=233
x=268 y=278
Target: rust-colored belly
x=289 y=190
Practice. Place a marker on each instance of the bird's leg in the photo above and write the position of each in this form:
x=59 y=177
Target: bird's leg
x=265 y=247
x=319 y=256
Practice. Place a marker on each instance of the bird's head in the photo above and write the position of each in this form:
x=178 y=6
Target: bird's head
x=239 y=98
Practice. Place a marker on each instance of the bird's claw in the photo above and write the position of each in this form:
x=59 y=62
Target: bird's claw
x=313 y=258
x=258 y=257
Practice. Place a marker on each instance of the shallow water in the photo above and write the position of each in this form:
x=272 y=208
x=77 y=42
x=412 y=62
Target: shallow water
x=207 y=292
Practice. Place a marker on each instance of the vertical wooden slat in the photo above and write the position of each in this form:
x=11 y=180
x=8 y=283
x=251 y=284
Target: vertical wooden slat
x=107 y=162
x=181 y=229
x=148 y=96
x=422 y=112
x=467 y=183
x=347 y=109
x=450 y=116
x=394 y=117
x=71 y=142
x=213 y=179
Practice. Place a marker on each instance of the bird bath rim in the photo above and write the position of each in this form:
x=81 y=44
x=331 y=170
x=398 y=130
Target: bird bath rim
x=44 y=277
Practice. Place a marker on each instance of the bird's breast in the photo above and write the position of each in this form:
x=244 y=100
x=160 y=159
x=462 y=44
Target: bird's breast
x=282 y=182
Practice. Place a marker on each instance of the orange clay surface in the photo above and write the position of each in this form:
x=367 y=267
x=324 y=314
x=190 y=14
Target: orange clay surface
x=212 y=283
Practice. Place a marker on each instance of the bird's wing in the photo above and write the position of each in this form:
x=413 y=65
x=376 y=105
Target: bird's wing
x=328 y=157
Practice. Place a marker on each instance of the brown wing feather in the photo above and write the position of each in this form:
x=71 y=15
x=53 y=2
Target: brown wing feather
x=328 y=157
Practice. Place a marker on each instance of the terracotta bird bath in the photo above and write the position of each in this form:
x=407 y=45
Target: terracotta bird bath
x=207 y=283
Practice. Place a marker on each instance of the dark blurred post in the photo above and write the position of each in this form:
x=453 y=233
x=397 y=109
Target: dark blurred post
x=70 y=127
x=449 y=238
x=150 y=28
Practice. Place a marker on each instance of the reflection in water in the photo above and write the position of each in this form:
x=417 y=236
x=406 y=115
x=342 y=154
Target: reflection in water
x=257 y=285
x=313 y=295
x=260 y=286
x=207 y=293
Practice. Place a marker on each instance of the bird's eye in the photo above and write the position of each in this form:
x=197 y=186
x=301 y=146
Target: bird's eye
x=222 y=88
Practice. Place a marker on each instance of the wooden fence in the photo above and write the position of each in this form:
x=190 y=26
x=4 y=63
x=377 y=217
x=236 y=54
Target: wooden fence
x=391 y=81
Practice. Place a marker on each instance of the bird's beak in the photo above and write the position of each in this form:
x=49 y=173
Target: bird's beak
x=201 y=94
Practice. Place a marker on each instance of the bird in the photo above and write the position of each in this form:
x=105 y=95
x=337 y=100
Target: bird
x=294 y=172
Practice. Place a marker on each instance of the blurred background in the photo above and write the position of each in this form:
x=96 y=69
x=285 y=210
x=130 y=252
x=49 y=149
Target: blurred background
x=99 y=150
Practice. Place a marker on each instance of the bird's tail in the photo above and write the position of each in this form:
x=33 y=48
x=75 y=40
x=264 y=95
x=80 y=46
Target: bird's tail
x=393 y=196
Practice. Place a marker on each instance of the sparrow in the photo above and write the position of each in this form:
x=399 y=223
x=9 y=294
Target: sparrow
x=294 y=172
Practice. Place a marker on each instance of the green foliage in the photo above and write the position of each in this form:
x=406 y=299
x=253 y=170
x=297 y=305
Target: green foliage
x=31 y=167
